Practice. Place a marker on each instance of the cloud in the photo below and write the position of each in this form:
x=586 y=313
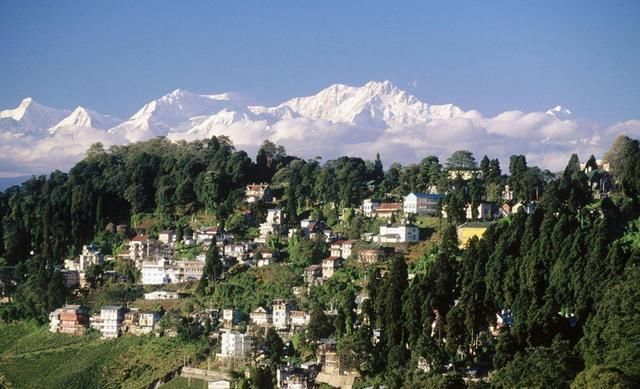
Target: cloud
x=546 y=140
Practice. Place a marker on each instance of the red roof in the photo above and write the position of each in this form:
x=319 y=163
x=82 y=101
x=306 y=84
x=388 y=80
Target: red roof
x=140 y=238
x=389 y=206
x=333 y=259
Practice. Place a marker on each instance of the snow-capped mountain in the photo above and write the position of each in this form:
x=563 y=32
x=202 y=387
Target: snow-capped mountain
x=82 y=120
x=560 y=112
x=376 y=104
x=338 y=120
x=30 y=118
x=179 y=109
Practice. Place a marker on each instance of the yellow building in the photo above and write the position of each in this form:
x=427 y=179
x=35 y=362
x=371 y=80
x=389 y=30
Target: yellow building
x=468 y=230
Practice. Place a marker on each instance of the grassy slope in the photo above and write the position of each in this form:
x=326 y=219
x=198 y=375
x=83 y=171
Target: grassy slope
x=31 y=357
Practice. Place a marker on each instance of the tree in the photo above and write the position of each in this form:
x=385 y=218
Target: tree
x=378 y=172
x=212 y=270
x=599 y=376
x=612 y=335
x=461 y=160
x=395 y=286
x=94 y=275
x=304 y=252
x=319 y=324
x=273 y=347
x=540 y=367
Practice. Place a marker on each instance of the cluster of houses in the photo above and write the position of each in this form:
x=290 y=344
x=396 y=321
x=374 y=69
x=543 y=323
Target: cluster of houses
x=112 y=321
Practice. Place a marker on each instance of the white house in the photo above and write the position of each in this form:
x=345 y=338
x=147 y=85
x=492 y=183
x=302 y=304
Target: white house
x=485 y=211
x=260 y=316
x=299 y=319
x=91 y=255
x=421 y=203
x=330 y=265
x=54 y=320
x=280 y=315
x=342 y=248
x=220 y=384
x=399 y=233
x=271 y=226
x=167 y=236
x=146 y=322
x=110 y=321
x=369 y=207
x=186 y=271
x=235 y=345
x=256 y=192
x=156 y=273
x=230 y=316
x=139 y=248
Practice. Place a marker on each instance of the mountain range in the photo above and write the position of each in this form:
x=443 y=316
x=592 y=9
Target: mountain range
x=340 y=119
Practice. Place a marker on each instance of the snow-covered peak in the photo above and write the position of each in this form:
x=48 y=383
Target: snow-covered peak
x=82 y=118
x=30 y=117
x=559 y=112
x=377 y=104
x=174 y=110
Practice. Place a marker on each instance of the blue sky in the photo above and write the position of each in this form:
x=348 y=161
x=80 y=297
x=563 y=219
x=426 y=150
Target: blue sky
x=114 y=56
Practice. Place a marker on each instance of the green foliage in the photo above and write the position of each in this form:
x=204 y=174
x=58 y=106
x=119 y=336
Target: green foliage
x=541 y=367
x=612 y=335
x=304 y=252
x=255 y=287
x=598 y=376
x=461 y=160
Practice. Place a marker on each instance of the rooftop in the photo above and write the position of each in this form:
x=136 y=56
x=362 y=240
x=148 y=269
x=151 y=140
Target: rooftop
x=476 y=225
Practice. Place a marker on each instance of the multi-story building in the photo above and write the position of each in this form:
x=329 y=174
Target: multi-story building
x=167 y=236
x=54 y=320
x=399 y=233
x=90 y=256
x=146 y=322
x=156 y=272
x=369 y=207
x=235 y=345
x=292 y=377
x=342 y=248
x=257 y=192
x=388 y=209
x=421 y=203
x=230 y=317
x=368 y=255
x=299 y=319
x=281 y=309
x=109 y=323
x=313 y=275
x=272 y=226
x=330 y=265
x=187 y=271
x=74 y=319
x=71 y=278
x=261 y=316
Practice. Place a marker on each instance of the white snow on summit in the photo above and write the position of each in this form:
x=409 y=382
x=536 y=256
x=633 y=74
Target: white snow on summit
x=30 y=118
x=82 y=120
x=338 y=120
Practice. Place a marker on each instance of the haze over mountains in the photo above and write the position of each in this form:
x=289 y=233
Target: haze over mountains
x=339 y=120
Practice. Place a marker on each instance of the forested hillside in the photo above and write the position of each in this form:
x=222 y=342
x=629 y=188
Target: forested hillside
x=566 y=275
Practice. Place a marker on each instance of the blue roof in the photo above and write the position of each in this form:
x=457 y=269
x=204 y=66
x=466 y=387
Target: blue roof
x=428 y=196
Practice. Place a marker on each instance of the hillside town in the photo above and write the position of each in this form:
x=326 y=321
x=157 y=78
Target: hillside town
x=167 y=263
